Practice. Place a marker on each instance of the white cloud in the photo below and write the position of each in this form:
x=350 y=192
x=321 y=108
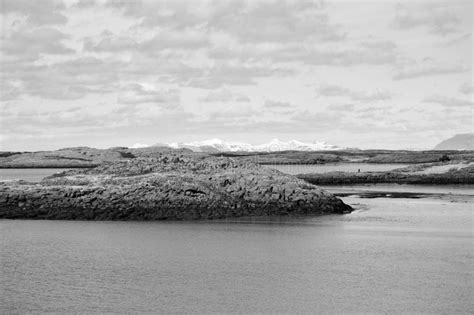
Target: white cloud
x=125 y=70
x=275 y=21
x=373 y=52
x=137 y=94
x=339 y=91
x=224 y=95
x=449 y=101
x=466 y=88
x=427 y=67
x=26 y=44
x=44 y=12
x=277 y=105
x=441 y=20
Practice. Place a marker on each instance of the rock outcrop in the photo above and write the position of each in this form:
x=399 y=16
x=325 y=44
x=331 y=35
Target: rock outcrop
x=453 y=176
x=166 y=187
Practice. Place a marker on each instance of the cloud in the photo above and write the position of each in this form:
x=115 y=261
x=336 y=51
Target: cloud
x=146 y=66
x=68 y=80
x=164 y=39
x=339 y=91
x=448 y=101
x=76 y=78
x=320 y=119
x=109 y=43
x=44 y=12
x=277 y=105
x=234 y=116
x=89 y=122
x=9 y=91
x=340 y=57
x=373 y=52
x=466 y=88
x=440 y=20
x=274 y=21
x=427 y=67
x=136 y=94
x=31 y=44
x=463 y=38
x=176 y=15
x=85 y=4
x=246 y=21
x=233 y=74
x=42 y=118
x=342 y=107
x=175 y=40
x=224 y=95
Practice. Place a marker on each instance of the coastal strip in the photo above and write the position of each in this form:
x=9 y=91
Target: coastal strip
x=463 y=176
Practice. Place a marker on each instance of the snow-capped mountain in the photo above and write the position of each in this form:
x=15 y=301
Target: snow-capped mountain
x=217 y=145
x=212 y=145
x=294 y=145
x=139 y=145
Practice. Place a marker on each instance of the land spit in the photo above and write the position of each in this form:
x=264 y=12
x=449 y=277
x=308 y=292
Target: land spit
x=166 y=187
x=426 y=174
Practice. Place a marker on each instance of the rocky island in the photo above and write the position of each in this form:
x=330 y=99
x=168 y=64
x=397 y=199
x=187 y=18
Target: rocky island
x=439 y=173
x=167 y=186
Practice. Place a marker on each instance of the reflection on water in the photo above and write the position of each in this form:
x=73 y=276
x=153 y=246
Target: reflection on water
x=467 y=190
x=390 y=255
x=28 y=174
x=37 y=174
x=334 y=167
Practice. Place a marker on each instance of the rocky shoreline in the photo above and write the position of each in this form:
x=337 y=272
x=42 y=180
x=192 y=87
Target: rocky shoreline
x=463 y=176
x=167 y=187
x=90 y=157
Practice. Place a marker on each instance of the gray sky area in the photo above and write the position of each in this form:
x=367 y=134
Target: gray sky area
x=368 y=74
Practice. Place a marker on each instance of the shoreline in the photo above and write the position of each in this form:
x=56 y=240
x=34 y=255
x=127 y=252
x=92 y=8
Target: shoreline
x=458 y=177
x=166 y=188
x=85 y=157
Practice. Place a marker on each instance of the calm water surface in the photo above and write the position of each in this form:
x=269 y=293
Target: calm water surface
x=28 y=174
x=37 y=174
x=390 y=255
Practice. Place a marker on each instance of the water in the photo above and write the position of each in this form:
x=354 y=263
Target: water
x=37 y=174
x=390 y=255
x=441 y=190
x=28 y=174
x=334 y=167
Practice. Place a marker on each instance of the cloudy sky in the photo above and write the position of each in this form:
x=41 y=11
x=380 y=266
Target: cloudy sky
x=368 y=74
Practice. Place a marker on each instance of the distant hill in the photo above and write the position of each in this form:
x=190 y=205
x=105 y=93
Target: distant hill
x=458 y=142
x=217 y=145
x=80 y=157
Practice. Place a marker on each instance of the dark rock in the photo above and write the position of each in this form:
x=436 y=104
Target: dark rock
x=166 y=188
x=462 y=176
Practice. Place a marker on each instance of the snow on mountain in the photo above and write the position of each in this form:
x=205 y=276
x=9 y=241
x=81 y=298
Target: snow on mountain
x=217 y=145
x=139 y=145
x=212 y=145
x=294 y=145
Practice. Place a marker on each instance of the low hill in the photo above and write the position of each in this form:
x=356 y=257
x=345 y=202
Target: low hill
x=458 y=142
x=78 y=157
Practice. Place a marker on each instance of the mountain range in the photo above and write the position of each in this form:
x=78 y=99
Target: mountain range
x=275 y=145
x=463 y=141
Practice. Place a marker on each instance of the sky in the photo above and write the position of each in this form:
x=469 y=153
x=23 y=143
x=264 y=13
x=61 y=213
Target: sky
x=367 y=74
